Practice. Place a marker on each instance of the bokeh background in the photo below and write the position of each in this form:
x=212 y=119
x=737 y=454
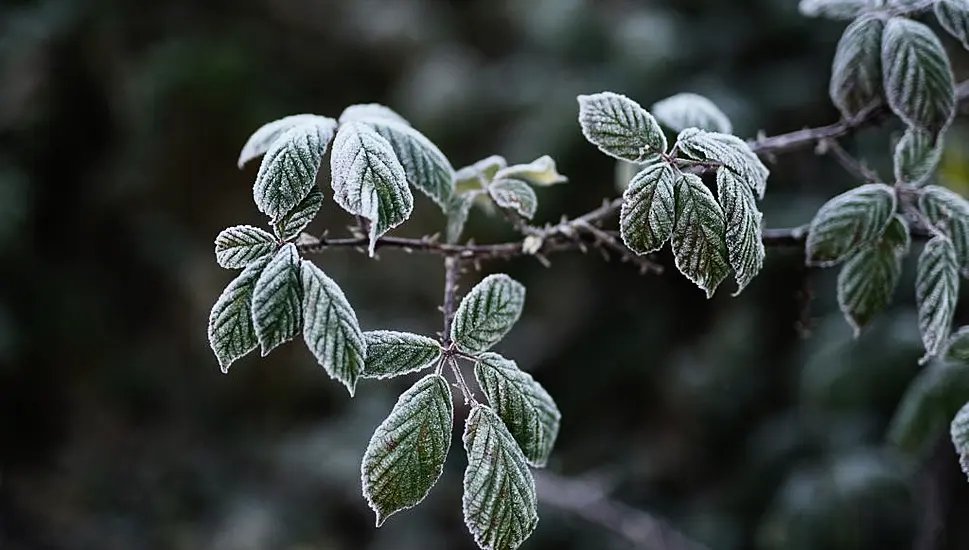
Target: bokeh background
x=747 y=423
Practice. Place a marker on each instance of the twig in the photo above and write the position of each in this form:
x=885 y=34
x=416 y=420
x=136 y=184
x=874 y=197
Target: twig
x=852 y=165
x=591 y=503
x=452 y=271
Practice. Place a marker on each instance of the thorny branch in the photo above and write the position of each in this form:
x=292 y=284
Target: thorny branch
x=584 y=232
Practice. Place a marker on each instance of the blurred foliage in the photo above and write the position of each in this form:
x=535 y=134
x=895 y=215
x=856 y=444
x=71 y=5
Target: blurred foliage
x=120 y=123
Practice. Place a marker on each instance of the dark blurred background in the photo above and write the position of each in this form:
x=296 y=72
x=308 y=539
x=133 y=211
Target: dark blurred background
x=747 y=423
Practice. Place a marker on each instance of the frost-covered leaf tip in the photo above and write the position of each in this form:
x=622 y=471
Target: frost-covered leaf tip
x=524 y=406
x=263 y=138
x=406 y=454
x=918 y=79
x=487 y=313
x=391 y=353
x=231 y=332
x=936 y=293
x=515 y=195
x=948 y=212
x=276 y=310
x=288 y=171
x=370 y=111
x=745 y=245
x=620 y=127
x=539 y=172
x=856 y=73
x=238 y=246
x=847 y=222
x=917 y=155
x=959 y=432
x=368 y=179
x=836 y=9
x=330 y=329
x=500 y=503
x=953 y=15
x=690 y=110
x=426 y=167
x=698 y=241
x=649 y=209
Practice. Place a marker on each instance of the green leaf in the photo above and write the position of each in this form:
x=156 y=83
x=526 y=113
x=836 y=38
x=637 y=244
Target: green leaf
x=263 y=138
x=457 y=215
x=953 y=15
x=487 y=313
x=406 y=454
x=957 y=347
x=331 y=330
x=836 y=9
x=867 y=282
x=514 y=194
x=698 y=236
x=929 y=403
x=391 y=353
x=292 y=224
x=949 y=213
x=540 y=172
x=856 y=73
x=936 y=293
x=276 y=312
x=745 y=246
x=368 y=180
x=917 y=155
x=500 y=502
x=649 y=209
x=231 y=334
x=288 y=171
x=238 y=246
x=959 y=432
x=689 y=110
x=478 y=175
x=620 y=127
x=730 y=151
x=427 y=169
x=371 y=111
x=848 y=222
x=524 y=406
x=918 y=79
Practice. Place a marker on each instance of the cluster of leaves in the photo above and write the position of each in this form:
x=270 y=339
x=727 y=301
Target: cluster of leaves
x=667 y=200
x=375 y=159
x=884 y=58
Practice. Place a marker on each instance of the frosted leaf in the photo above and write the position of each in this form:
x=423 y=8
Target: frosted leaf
x=836 y=9
x=540 y=172
x=698 y=241
x=288 y=171
x=368 y=180
x=648 y=209
x=238 y=246
x=730 y=151
x=478 y=175
x=689 y=110
x=487 y=313
x=936 y=293
x=500 y=503
x=917 y=155
x=331 y=330
x=957 y=347
x=391 y=353
x=856 y=73
x=867 y=282
x=406 y=454
x=948 y=212
x=231 y=334
x=848 y=222
x=427 y=169
x=928 y=405
x=620 y=127
x=370 y=111
x=745 y=246
x=457 y=215
x=953 y=15
x=514 y=194
x=263 y=138
x=524 y=406
x=918 y=79
x=959 y=432
x=276 y=311
x=299 y=217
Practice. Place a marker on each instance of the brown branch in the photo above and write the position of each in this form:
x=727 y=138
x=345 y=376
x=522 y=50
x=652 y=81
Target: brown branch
x=590 y=502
